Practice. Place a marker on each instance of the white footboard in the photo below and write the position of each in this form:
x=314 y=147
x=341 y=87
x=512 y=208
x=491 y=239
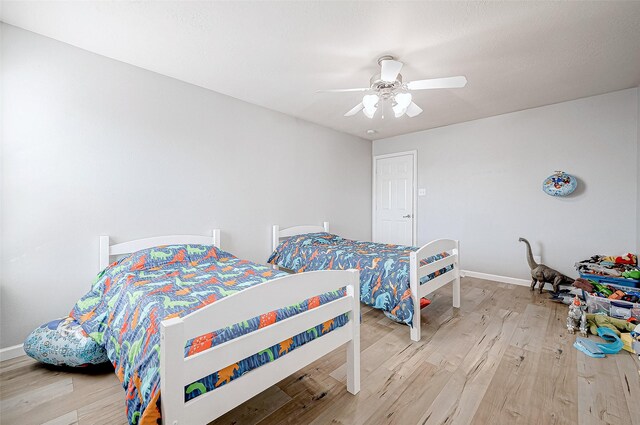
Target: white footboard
x=177 y=371
x=417 y=272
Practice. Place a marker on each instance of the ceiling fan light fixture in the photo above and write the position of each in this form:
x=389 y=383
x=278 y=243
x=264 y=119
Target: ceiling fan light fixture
x=403 y=99
x=369 y=112
x=399 y=111
x=392 y=95
x=413 y=110
x=369 y=103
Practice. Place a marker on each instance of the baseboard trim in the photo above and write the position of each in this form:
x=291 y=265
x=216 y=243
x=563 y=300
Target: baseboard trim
x=496 y=278
x=11 y=352
x=502 y=279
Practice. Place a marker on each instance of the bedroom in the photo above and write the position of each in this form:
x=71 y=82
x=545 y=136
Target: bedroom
x=146 y=119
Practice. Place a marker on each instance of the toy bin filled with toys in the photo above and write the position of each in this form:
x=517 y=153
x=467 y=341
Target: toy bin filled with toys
x=603 y=269
x=612 y=312
x=621 y=302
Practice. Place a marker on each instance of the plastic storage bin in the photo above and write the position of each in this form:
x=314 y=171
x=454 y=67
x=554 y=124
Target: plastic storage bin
x=614 y=308
x=608 y=280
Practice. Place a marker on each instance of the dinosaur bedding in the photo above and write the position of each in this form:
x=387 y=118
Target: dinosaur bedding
x=132 y=296
x=384 y=268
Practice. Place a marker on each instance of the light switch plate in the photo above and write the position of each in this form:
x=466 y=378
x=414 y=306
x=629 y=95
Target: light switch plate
x=422 y=191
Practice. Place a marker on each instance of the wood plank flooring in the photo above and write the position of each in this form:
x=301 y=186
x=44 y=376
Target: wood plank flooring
x=504 y=357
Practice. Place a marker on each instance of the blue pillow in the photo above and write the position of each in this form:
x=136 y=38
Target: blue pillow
x=63 y=342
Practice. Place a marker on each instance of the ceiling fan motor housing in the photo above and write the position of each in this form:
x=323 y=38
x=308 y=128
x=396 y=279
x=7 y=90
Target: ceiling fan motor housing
x=377 y=83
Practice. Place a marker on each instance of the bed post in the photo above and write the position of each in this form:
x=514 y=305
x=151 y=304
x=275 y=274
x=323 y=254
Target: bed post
x=104 y=252
x=275 y=241
x=275 y=237
x=456 y=282
x=414 y=285
x=353 y=346
x=171 y=370
x=215 y=233
x=325 y=224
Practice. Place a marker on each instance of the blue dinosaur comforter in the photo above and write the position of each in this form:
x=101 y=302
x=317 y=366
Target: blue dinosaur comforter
x=132 y=296
x=384 y=268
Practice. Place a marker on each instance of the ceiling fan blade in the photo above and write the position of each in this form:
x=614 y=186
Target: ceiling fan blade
x=390 y=70
x=413 y=110
x=438 y=83
x=342 y=90
x=354 y=110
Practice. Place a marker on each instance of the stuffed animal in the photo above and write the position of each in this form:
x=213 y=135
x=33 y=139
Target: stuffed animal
x=542 y=274
x=577 y=317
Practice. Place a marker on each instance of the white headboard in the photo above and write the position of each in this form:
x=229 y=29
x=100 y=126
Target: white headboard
x=295 y=230
x=107 y=250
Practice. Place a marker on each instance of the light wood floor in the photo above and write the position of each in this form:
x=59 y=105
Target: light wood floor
x=503 y=358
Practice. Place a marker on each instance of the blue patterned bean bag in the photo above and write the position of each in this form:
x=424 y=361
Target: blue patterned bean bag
x=63 y=342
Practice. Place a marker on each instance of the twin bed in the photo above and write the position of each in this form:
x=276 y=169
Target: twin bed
x=183 y=318
x=393 y=278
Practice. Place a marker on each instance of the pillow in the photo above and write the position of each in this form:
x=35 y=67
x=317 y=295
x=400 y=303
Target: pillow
x=320 y=238
x=63 y=342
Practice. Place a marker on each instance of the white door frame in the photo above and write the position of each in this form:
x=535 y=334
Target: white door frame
x=414 y=153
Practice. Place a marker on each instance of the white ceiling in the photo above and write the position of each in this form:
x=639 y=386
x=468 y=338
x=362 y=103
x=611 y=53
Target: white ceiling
x=516 y=55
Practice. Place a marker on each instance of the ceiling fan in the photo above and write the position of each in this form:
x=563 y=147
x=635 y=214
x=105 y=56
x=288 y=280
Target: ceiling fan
x=387 y=88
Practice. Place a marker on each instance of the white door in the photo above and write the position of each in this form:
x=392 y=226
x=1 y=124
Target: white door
x=394 y=192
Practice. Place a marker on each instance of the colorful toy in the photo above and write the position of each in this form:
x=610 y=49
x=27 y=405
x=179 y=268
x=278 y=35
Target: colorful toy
x=630 y=343
x=584 y=284
x=596 y=321
x=577 y=317
x=602 y=289
x=599 y=349
x=563 y=298
x=622 y=270
x=632 y=274
x=590 y=348
x=542 y=274
x=617 y=295
x=630 y=259
x=614 y=345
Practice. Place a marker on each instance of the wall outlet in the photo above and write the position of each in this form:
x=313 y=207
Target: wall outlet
x=422 y=191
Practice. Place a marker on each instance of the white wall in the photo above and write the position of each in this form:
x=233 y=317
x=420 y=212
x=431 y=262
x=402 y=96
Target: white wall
x=93 y=146
x=484 y=178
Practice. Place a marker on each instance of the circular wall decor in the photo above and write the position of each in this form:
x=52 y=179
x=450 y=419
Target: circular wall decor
x=559 y=184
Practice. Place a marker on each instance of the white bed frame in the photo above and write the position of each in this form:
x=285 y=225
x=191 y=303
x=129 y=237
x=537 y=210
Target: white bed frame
x=278 y=234
x=177 y=371
x=107 y=250
x=452 y=247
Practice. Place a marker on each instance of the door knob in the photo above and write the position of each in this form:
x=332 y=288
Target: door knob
x=406 y=216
